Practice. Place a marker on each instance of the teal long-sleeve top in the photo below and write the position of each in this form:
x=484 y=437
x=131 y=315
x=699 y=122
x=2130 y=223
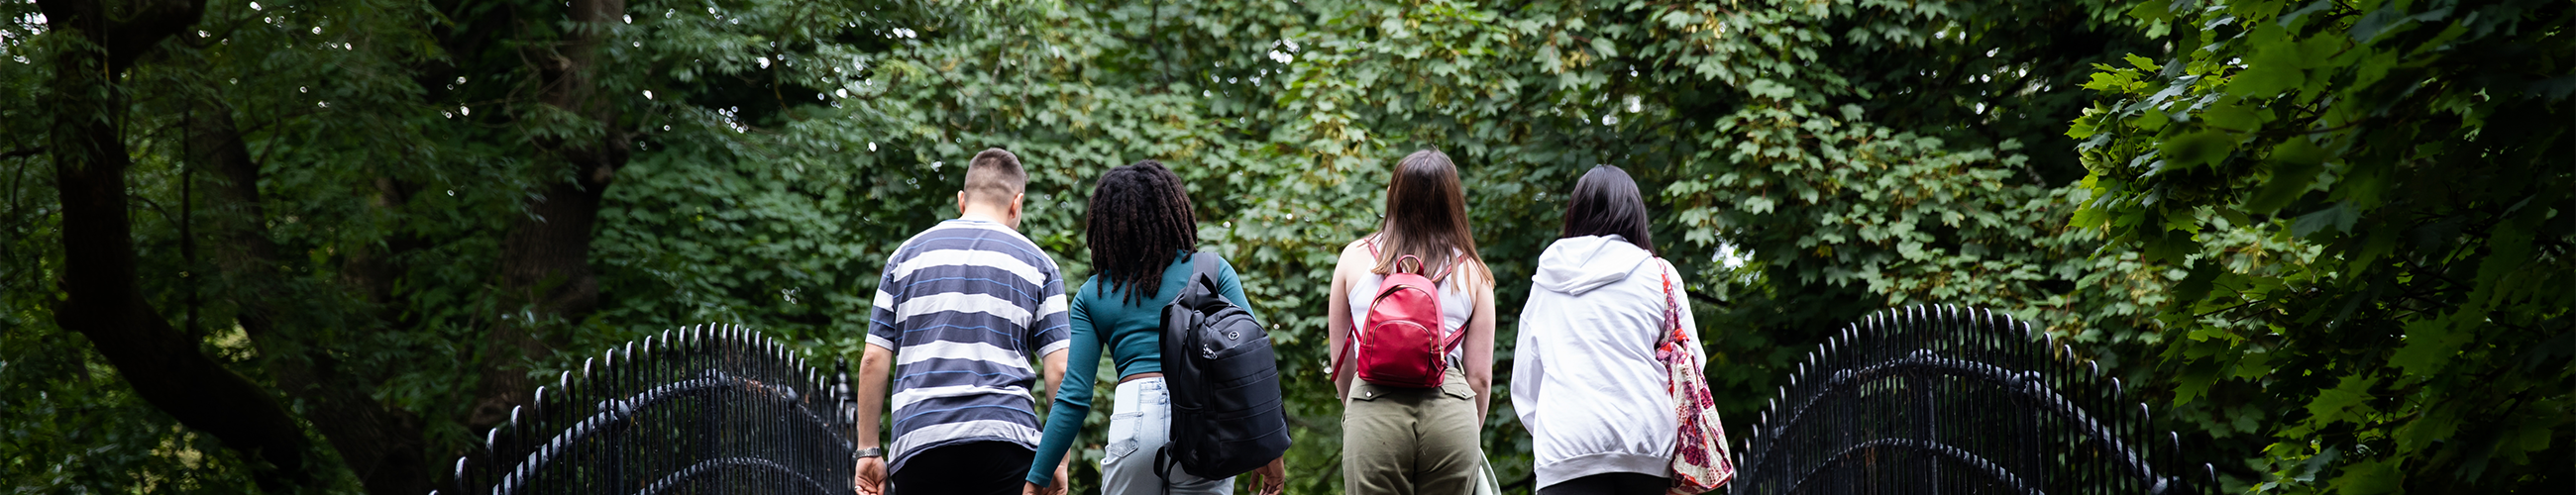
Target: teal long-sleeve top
x=1134 y=336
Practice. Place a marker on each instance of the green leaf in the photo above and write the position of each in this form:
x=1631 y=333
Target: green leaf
x=2336 y=404
x=2430 y=344
x=2152 y=120
x=1769 y=89
x=2265 y=80
x=2299 y=150
x=2153 y=10
x=2340 y=217
x=2232 y=117
x=2195 y=149
x=2370 y=477
x=2294 y=165
x=2142 y=63
x=2195 y=285
x=2436 y=424
x=2319 y=463
x=2170 y=246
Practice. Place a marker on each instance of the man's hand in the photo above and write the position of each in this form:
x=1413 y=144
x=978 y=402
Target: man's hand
x=1273 y=478
x=873 y=370
x=872 y=476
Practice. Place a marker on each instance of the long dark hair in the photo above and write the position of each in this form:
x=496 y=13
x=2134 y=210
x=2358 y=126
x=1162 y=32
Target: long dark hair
x=1426 y=216
x=1140 y=219
x=1606 y=202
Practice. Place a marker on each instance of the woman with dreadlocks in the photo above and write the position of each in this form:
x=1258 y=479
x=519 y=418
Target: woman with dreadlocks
x=1142 y=232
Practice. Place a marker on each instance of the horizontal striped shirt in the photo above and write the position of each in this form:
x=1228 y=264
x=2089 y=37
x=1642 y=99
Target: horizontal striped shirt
x=966 y=306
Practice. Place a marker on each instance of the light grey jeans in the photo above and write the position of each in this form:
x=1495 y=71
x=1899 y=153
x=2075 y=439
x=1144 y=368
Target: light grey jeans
x=1139 y=425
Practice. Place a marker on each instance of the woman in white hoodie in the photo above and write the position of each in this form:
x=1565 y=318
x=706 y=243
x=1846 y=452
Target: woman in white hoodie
x=1585 y=380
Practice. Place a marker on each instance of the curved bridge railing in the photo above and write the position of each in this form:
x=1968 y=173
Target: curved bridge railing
x=702 y=409
x=1943 y=399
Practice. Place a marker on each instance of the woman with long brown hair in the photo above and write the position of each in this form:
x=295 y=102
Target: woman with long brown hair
x=1414 y=436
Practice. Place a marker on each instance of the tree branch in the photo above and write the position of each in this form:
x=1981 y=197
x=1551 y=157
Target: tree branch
x=23 y=152
x=105 y=300
x=382 y=445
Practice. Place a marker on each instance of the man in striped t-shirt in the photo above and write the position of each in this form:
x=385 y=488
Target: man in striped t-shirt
x=961 y=311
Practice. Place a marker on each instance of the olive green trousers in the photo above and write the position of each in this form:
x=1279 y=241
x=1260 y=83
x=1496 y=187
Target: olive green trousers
x=1411 y=441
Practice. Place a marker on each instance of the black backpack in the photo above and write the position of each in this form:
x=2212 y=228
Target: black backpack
x=1217 y=361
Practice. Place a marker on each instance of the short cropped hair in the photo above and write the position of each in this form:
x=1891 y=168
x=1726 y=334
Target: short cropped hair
x=994 y=177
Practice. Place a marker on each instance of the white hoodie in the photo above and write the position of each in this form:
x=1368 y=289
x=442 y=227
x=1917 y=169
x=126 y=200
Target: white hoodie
x=1584 y=376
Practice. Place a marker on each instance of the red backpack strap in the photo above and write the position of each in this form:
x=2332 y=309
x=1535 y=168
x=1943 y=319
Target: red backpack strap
x=1452 y=265
x=1399 y=265
x=1443 y=274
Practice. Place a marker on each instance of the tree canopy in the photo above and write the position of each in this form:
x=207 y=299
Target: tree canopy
x=314 y=245
x=2373 y=206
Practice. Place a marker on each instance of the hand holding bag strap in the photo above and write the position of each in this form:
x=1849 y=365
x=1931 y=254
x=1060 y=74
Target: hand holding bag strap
x=1672 y=307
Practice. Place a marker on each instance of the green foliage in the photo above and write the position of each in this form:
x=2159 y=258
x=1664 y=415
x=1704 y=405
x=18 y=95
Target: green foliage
x=68 y=426
x=1807 y=162
x=2372 y=201
x=786 y=147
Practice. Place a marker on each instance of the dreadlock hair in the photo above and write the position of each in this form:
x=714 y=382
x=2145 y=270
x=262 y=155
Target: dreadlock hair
x=1140 y=220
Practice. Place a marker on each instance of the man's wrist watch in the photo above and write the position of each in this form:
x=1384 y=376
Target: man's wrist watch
x=871 y=452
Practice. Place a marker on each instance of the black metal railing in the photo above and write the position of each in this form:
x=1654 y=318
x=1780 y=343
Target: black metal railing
x=1943 y=399
x=703 y=409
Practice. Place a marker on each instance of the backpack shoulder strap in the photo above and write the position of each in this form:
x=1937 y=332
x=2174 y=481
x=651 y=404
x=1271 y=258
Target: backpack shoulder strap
x=1203 y=264
x=1203 y=270
x=1445 y=268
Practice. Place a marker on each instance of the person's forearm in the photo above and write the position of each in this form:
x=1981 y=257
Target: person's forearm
x=872 y=393
x=1054 y=373
x=1337 y=333
x=1484 y=399
x=1346 y=364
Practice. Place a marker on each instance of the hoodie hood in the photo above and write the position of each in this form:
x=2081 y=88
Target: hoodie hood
x=1576 y=265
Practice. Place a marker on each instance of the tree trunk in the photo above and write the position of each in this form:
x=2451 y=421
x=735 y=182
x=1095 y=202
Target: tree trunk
x=545 y=260
x=381 y=445
x=104 y=299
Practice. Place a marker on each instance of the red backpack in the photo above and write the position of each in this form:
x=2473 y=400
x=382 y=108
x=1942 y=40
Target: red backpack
x=1402 y=342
